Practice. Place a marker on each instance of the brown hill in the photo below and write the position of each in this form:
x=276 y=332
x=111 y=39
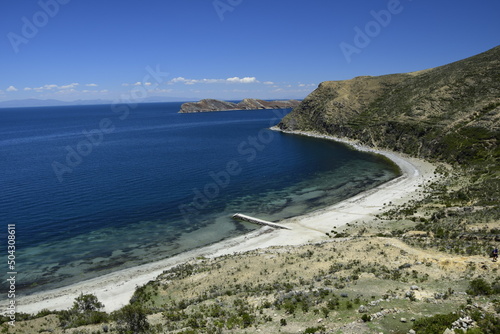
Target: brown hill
x=449 y=112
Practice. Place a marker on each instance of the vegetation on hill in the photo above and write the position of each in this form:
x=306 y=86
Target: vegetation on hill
x=328 y=287
x=449 y=113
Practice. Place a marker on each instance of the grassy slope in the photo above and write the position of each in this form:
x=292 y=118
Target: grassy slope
x=291 y=289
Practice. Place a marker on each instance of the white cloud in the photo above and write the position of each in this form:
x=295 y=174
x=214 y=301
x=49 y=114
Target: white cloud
x=195 y=81
x=178 y=79
x=211 y=81
x=242 y=80
x=70 y=86
x=138 y=83
x=12 y=89
x=66 y=91
x=268 y=83
x=52 y=87
x=94 y=91
x=45 y=87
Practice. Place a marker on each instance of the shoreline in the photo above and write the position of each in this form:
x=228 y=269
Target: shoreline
x=114 y=290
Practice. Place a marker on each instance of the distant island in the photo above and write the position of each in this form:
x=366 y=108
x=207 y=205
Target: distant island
x=208 y=105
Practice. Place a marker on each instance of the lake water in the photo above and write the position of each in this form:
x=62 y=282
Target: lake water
x=94 y=189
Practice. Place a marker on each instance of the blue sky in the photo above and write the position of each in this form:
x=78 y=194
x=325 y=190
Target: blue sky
x=227 y=49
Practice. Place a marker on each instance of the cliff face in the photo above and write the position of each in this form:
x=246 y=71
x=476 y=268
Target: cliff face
x=208 y=105
x=450 y=113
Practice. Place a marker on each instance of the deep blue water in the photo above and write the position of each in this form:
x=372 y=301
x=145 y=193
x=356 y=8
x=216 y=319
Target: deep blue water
x=153 y=183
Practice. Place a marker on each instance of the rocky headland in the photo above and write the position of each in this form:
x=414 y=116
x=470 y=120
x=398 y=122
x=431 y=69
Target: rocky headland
x=448 y=113
x=208 y=105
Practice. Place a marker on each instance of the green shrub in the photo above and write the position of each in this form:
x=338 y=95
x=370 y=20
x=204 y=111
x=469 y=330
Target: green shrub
x=490 y=324
x=435 y=324
x=311 y=330
x=87 y=303
x=131 y=319
x=43 y=313
x=72 y=319
x=479 y=287
x=85 y=311
x=474 y=331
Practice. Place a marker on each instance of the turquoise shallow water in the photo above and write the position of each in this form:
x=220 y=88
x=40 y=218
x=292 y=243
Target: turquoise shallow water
x=155 y=183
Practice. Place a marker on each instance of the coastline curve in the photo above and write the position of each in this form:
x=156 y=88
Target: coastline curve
x=114 y=290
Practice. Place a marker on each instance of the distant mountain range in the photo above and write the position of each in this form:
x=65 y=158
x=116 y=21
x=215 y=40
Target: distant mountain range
x=55 y=103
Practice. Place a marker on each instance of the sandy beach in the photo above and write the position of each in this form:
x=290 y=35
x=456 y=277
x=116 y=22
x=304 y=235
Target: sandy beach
x=114 y=290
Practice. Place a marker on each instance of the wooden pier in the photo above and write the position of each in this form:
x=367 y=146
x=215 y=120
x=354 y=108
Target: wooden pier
x=257 y=221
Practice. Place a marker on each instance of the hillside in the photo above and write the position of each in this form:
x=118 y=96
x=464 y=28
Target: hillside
x=449 y=113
